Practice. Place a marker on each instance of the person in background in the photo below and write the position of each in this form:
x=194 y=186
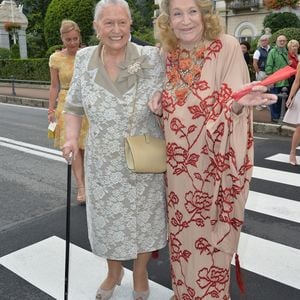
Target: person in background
x=260 y=56
x=126 y=211
x=245 y=46
x=292 y=116
x=293 y=48
x=277 y=59
x=61 y=65
x=209 y=142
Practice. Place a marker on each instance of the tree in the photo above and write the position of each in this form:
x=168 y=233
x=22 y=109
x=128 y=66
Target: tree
x=276 y=21
x=35 y=12
x=80 y=11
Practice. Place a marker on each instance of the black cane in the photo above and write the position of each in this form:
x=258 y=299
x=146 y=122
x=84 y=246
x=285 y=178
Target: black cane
x=68 y=229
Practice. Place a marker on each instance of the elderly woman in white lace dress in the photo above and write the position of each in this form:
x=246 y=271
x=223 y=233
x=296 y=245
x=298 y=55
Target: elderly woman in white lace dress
x=125 y=210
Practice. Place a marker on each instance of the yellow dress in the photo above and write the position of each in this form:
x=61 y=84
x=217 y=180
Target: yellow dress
x=65 y=66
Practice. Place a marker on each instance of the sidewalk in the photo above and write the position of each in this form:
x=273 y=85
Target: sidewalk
x=38 y=97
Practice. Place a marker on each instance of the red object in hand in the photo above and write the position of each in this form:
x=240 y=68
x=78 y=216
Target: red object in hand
x=279 y=75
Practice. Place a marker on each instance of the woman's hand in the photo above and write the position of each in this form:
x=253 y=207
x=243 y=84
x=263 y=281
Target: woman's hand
x=289 y=101
x=258 y=96
x=70 y=150
x=154 y=104
x=51 y=116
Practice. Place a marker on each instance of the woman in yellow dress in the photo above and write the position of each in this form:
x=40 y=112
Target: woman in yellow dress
x=61 y=65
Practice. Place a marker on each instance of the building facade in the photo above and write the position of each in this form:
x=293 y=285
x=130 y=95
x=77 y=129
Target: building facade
x=243 y=18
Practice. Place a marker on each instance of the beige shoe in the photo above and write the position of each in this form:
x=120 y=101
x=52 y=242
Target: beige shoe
x=102 y=294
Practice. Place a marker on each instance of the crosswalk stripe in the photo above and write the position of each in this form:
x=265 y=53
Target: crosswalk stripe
x=280 y=157
x=272 y=260
x=277 y=176
x=42 y=264
x=30 y=146
x=34 y=152
x=274 y=206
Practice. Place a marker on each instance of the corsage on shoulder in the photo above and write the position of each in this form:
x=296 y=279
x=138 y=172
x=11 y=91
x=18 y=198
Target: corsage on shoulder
x=133 y=70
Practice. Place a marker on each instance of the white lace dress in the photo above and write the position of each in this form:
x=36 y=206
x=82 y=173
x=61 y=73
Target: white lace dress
x=125 y=211
x=292 y=116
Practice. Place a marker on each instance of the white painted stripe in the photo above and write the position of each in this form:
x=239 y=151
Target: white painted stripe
x=272 y=260
x=261 y=138
x=42 y=264
x=34 y=152
x=277 y=176
x=274 y=206
x=281 y=157
x=31 y=146
x=23 y=106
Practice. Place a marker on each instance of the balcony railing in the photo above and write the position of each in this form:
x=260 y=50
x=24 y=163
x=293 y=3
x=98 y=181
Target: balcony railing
x=244 y=5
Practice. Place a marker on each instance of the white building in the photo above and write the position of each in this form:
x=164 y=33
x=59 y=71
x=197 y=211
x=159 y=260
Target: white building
x=243 y=18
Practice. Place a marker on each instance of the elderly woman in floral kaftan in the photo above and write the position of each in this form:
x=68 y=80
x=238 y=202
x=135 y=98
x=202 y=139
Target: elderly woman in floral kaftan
x=125 y=210
x=209 y=146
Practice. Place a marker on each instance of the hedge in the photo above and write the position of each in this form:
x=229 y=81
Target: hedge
x=25 y=69
x=290 y=33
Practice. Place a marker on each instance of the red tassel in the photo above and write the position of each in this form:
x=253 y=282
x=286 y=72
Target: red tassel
x=155 y=254
x=238 y=274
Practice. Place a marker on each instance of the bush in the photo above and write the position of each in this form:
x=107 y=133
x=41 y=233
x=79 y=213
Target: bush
x=4 y=53
x=80 y=11
x=277 y=21
x=290 y=33
x=26 y=69
x=15 y=51
x=53 y=49
x=35 y=45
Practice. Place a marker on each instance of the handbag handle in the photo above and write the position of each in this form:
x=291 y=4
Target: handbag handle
x=133 y=109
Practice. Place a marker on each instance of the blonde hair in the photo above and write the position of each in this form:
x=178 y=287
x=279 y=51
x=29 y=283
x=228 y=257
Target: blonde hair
x=67 y=26
x=292 y=43
x=211 y=23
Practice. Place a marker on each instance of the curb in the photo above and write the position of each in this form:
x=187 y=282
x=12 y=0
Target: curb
x=258 y=127
x=24 y=101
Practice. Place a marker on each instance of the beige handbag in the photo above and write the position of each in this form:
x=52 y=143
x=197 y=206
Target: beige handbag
x=145 y=153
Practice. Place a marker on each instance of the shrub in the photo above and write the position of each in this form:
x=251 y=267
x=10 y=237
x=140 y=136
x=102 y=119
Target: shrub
x=4 y=53
x=80 y=11
x=26 y=69
x=290 y=33
x=15 y=51
x=277 y=21
x=53 y=49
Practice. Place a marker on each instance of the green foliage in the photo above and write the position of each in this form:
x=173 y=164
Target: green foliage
x=277 y=21
x=4 y=53
x=35 y=12
x=80 y=11
x=15 y=51
x=290 y=33
x=30 y=69
x=142 y=13
x=36 y=46
x=53 y=49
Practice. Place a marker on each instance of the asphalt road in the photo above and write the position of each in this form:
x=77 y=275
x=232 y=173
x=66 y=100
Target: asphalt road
x=33 y=193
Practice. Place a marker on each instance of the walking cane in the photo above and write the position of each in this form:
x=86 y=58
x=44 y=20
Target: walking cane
x=68 y=228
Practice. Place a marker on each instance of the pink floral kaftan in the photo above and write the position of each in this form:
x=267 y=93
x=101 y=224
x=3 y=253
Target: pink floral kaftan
x=210 y=159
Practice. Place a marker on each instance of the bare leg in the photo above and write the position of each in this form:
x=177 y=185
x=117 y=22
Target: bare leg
x=140 y=274
x=114 y=274
x=295 y=143
x=78 y=171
